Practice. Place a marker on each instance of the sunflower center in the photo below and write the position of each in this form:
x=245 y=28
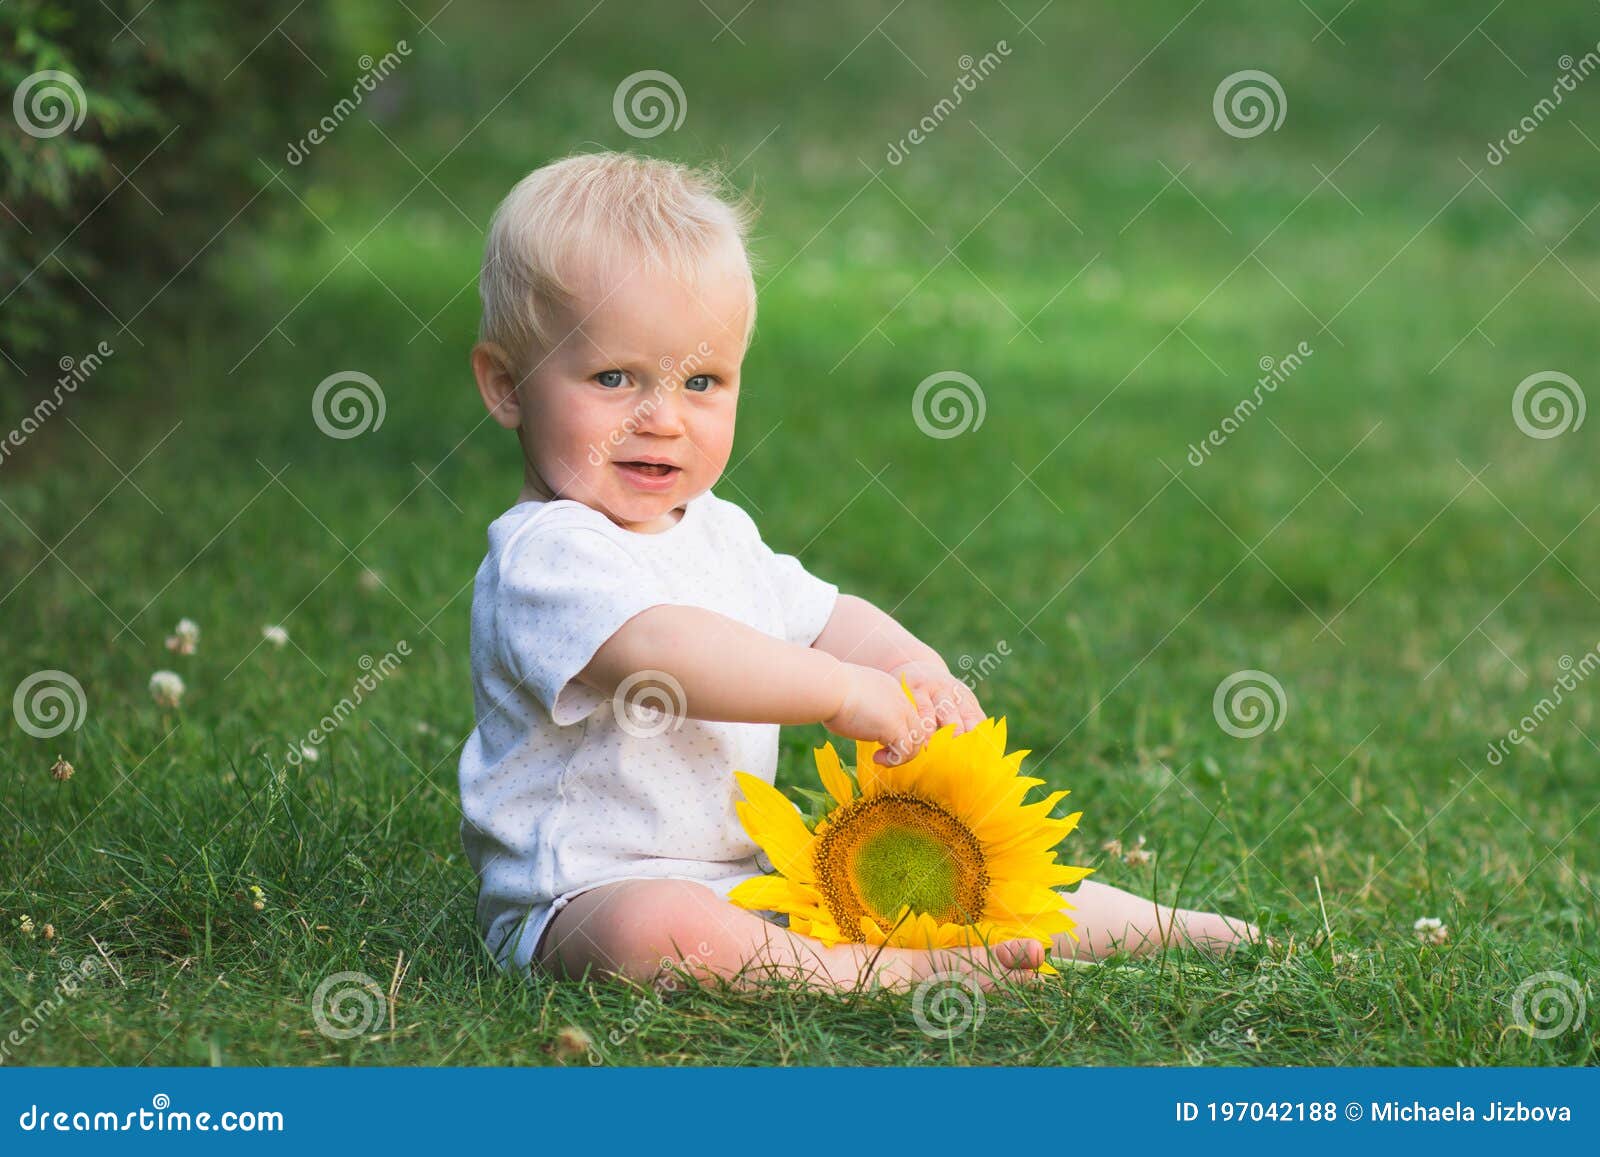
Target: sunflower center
x=882 y=851
x=902 y=866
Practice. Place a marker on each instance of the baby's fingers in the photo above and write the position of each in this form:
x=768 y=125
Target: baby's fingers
x=971 y=711
x=948 y=711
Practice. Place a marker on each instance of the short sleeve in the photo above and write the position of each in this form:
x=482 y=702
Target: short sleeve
x=563 y=592
x=807 y=600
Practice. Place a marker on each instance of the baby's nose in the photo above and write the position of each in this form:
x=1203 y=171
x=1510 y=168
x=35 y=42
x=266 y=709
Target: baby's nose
x=662 y=411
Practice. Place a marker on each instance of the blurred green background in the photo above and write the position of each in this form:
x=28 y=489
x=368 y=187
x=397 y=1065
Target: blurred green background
x=1081 y=237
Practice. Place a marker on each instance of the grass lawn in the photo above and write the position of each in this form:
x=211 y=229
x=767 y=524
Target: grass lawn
x=1082 y=239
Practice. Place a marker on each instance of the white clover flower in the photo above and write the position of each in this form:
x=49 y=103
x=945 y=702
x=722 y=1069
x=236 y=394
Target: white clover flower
x=166 y=688
x=1137 y=856
x=275 y=635
x=309 y=753
x=185 y=637
x=1431 y=930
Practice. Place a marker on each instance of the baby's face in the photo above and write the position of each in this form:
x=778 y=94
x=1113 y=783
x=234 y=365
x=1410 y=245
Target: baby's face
x=648 y=369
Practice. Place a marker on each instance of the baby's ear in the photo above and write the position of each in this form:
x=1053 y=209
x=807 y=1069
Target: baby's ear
x=497 y=384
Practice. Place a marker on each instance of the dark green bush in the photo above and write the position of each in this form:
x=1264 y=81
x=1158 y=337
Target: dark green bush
x=181 y=113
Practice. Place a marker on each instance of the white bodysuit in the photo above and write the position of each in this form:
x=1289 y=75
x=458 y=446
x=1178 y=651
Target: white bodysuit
x=557 y=796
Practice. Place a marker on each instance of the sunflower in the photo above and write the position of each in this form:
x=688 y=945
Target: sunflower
x=937 y=852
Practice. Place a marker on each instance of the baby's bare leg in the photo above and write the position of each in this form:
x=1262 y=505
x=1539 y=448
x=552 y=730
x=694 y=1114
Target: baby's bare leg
x=641 y=928
x=1110 y=918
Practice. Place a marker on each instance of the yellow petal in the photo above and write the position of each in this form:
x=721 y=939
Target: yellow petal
x=832 y=774
x=771 y=893
x=867 y=770
x=774 y=823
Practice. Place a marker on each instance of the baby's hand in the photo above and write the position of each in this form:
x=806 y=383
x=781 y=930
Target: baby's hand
x=941 y=697
x=876 y=709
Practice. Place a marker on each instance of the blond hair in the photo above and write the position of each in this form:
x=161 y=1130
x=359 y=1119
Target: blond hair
x=608 y=207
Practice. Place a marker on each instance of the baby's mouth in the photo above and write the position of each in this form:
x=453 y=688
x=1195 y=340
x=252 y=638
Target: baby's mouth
x=653 y=469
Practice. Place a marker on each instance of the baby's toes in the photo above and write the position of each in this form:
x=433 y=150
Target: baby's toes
x=1020 y=953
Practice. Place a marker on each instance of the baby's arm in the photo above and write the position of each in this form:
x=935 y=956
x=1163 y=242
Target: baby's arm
x=859 y=632
x=734 y=673
x=728 y=671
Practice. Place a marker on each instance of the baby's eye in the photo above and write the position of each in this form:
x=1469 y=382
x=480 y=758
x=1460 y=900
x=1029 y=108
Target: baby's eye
x=609 y=378
x=705 y=381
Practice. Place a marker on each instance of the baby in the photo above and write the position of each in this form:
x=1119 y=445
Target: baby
x=635 y=642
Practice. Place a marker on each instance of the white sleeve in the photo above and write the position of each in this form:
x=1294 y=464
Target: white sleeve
x=563 y=592
x=807 y=600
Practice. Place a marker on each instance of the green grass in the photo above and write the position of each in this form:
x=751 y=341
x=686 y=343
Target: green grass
x=1414 y=605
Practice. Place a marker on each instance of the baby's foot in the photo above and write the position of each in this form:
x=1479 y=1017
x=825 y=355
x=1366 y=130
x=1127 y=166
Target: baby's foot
x=1111 y=919
x=1008 y=962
